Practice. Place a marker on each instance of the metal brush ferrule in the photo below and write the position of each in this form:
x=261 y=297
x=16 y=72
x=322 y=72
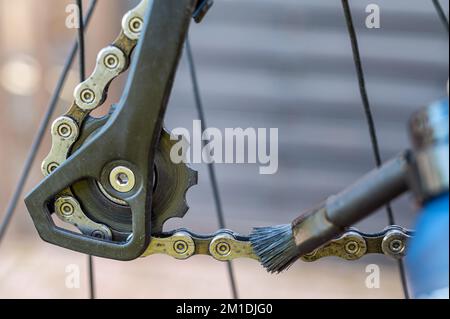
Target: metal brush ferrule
x=314 y=229
x=340 y=211
x=429 y=176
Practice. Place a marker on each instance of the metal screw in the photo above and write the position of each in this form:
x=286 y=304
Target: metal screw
x=87 y=96
x=122 y=179
x=67 y=209
x=111 y=61
x=136 y=25
x=352 y=247
x=180 y=247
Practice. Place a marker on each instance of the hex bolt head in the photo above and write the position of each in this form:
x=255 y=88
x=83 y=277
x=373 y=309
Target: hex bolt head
x=67 y=209
x=122 y=179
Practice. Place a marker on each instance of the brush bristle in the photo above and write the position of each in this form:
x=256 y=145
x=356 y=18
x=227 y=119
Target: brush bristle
x=275 y=246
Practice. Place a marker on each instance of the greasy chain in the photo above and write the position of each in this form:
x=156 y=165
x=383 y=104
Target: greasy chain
x=224 y=245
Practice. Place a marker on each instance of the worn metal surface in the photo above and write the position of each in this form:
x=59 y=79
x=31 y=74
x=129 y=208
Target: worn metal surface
x=429 y=134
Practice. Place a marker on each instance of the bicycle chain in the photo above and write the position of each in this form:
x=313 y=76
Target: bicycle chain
x=88 y=96
x=226 y=245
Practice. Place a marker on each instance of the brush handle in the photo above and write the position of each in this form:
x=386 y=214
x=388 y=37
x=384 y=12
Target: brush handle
x=370 y=193
x=424 y=170
x=331 y=218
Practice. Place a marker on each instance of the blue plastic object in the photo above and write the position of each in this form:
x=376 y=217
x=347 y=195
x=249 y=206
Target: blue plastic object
x=427 y=260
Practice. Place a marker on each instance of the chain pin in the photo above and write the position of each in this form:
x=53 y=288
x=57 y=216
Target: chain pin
x=180 y=247
x=396 y=246
x=136 y=25
x=352 y=247
x=111 y=61
x=52 y=167
x=67 y=209
x=87 y=96
x=64 y=130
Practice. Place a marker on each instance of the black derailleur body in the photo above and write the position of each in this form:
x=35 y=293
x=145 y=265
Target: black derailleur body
x=129 y=137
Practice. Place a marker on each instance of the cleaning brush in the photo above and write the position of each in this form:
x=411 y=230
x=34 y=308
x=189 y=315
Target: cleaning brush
x=278 y=247
x=275 y=247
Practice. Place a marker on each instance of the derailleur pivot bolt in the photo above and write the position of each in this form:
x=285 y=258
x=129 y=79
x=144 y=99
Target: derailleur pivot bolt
x=122 y=179
x=67 y=209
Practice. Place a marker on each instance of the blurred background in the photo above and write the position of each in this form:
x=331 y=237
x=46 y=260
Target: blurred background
x=261 y=63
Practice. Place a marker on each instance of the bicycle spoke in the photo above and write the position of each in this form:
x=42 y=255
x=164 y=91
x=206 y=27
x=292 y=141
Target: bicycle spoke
x=81 y=51
x=41 y=132
x=91 y=277
x=211 y=168
x=82 y=65
x=369 y=118
x=441 y=14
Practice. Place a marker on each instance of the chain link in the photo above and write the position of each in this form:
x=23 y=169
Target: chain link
x=353 y=244
x=226 y=245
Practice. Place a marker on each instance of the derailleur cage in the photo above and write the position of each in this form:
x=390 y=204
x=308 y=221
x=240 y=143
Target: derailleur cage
x=128 y=139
